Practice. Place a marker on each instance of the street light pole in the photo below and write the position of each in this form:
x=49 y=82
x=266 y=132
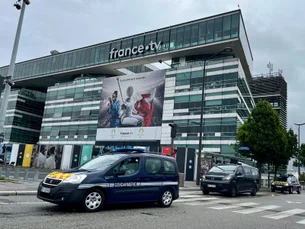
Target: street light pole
x=226 y=50
x=11 y=69
x=299 y=142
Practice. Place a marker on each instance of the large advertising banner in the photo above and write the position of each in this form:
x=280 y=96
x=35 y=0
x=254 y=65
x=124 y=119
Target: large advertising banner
x=131 y=107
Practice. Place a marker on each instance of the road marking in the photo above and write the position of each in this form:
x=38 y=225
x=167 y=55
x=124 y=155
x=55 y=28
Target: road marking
x=194 y=199
x=301 y=222
x=210 y=202
x=223 y=207
x=285 y=214
x=257 y=209
x=40 y=202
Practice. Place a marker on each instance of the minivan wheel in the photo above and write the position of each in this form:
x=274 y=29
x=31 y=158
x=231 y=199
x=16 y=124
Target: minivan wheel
x=166 y=198
x=233 y=192
x=93 y=200
x=254 y=190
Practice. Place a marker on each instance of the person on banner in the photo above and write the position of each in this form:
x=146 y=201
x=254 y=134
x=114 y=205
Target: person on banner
x=129 y=116
x=144 y=106
x=114 y=108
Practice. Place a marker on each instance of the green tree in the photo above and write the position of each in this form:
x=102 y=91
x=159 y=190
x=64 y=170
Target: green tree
x=300 y=156
x=286 y=153
x=264 y=135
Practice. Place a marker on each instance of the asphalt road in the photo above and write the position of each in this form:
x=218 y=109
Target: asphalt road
x=192 y=210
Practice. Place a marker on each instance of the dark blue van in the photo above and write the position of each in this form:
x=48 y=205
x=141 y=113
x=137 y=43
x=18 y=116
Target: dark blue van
x=122 y=176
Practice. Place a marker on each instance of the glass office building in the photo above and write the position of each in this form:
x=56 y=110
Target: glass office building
x=72 y=82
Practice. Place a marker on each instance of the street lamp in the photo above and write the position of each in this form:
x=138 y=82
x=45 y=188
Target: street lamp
x=226 y=50
x=299 y=141
x=11 y=68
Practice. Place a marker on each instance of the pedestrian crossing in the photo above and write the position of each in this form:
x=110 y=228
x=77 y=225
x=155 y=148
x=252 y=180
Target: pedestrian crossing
x=240 y=206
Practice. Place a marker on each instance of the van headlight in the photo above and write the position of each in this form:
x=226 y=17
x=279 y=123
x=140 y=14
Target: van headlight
x=227 y=178
x=77 y=179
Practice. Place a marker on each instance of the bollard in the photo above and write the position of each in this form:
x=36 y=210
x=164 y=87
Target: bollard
x=7 y=172
x=26 y=176
x=0 y=171
x=16 y=175
x=181 y=179
x=36 y=175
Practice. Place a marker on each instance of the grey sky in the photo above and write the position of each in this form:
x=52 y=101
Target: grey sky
x=275 y=30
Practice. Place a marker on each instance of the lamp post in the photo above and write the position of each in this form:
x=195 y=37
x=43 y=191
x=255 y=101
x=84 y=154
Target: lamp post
x=10 y=73
x=299 y=141
x=226 y=50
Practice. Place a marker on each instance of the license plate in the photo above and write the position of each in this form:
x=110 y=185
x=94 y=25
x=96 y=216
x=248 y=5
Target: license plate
x=45 y=190
x=279 y=186
x=212 y=185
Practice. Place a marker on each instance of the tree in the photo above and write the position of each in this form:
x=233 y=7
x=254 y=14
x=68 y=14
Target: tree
x=284 y=155
x=300 y=156
x=264 y=135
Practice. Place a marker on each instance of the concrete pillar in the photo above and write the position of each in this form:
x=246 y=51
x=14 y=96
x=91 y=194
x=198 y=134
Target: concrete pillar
x=0 y=171
x=26 y=176
x=16 y=173
x=36 y=175
x=181 y=179
x=7 y=172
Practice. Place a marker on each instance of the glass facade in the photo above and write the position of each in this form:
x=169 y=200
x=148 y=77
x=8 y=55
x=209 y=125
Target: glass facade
x=225 y=105
x=71 y=112
x=24 y=116
x=177 y=37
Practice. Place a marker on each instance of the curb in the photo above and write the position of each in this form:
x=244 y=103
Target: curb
x=18 y=193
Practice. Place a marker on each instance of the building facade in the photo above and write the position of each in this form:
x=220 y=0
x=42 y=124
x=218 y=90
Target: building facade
x=272 y=88
x=72 y=107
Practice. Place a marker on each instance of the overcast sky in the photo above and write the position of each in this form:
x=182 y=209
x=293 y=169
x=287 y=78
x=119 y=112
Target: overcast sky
x=275 y=29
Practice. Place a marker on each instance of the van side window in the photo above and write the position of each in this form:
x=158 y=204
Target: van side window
x=247 y=171
x=128 y=167
x=152 y=166
x=169 y=167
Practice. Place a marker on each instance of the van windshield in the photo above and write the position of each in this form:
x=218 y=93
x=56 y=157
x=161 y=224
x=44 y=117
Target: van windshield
x=223 y=169
x=101 y=162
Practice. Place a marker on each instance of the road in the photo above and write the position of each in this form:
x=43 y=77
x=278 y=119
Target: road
x=192 y=210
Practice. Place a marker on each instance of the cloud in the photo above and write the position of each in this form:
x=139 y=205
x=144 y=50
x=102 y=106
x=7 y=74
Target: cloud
x=275 y=30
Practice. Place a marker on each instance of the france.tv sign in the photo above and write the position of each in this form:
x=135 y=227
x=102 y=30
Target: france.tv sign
x=152 y=46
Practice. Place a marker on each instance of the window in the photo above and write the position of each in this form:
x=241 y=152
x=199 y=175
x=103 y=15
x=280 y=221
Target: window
x=169 y=167
x=218 y=29
x=194 y=34
x=226 y=29
x=187 y=36
x=210 y=31
x=239 y=171
x=127 y=167
x=202 y=32
x=235 y=25
x=247 y=171
x=152 y=165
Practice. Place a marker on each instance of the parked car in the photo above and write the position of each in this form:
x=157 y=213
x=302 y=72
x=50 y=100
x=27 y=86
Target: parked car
x=286 y=183
x=122 y=176
x=232 y=179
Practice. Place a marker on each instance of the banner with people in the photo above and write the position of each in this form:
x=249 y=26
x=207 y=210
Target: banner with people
x=131 y=107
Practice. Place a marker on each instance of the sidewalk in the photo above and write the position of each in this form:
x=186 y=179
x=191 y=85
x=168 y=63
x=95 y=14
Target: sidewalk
x=18 y=188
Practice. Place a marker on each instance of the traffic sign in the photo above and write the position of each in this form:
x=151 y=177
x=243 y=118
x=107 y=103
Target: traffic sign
x=244 y=148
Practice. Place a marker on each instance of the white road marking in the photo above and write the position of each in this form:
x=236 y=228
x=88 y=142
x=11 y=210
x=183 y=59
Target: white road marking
x=301 y=222
x=222 y=207
x=285 y=214
x=210 y=202
x=12 y=203
x=194 y=199
x=257 y=209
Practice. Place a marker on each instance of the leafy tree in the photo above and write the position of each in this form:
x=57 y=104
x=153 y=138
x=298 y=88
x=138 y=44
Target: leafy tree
x=300 y=156
x=265 y=136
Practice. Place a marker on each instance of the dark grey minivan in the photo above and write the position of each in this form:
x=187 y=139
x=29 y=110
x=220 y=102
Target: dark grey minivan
x=231 y=178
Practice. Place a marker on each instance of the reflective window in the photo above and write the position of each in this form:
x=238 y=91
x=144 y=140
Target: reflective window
x=234 y=27
x=218 y=29
x=187 y=36
x=173 y=40
x=163 y=36
x=202 y=32
x=194 y=34
x=210 y=31
x=226 y=30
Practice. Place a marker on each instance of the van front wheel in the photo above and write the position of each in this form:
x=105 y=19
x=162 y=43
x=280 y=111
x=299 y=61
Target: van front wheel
x=166 y=198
